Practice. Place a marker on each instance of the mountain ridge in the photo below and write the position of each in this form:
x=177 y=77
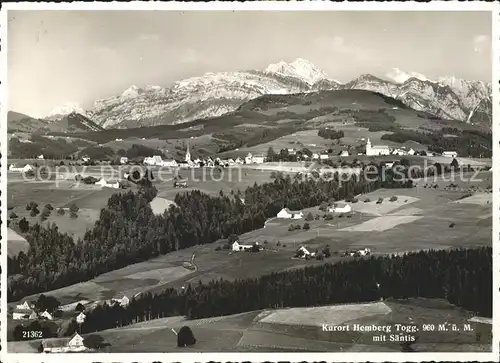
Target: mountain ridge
x=215 y=94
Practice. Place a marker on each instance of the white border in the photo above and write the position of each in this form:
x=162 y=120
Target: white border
x=280 y=6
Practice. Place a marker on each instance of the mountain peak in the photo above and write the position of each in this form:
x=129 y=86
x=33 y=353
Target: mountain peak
x=66 y=109
x=299 y=68
x=132 y=91
x=398 y=76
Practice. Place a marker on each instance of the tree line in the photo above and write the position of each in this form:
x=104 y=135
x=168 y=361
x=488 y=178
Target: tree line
x=128 y=231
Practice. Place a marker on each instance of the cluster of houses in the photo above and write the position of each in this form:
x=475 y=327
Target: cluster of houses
x=358 y=253
x=26 y=311
x=338 y=207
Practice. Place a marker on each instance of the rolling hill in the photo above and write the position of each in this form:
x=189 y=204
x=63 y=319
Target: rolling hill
x=270 y=117
x=72 y=122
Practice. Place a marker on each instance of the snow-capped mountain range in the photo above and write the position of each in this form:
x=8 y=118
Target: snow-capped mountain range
x=214 y=94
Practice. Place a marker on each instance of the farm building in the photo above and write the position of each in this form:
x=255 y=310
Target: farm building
x=124 y=301
x=80 y=318
x=258 y=159
x=323 y=157
x=389 y=164
x=450 y=154
x=304 y=252
x=358 y=253
x=248 y=158
x=24 y=169
x=170 y=163
x=123 y=160
x=411 y=152
x=22 y=314
x=399 y=152
x=64 y=345
x=108 y=184
x=340 y=208
x=46 y=315
x=288 y=214
x=154 y=160
x=344 y=153
x=180 y=184
x=237 y=247
x=41 y=157
x=315 y=156
x=27 y=305
x=376 y=150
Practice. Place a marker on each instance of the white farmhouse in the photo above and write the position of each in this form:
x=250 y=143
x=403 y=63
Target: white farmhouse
x=376 y=150
x=411 y=152
x=41 y=157
x=24 y=169
x=170 y=163
x=288 y=214
x=237 y=247
x=304 y=252
x=323 y=157
x=364 y=252
x=344 y=153
x=399 y=152
x=25 y=306
x=123 y=302
x=108 y=184
x=123 y=160
x=315 y=156
x=21 y=314
x=80 y=319
x=340 y=208
x=450 y=154
x=64 y=345
x=46 y=315
x=258 y=159
x=154 y=160
x=248 y=158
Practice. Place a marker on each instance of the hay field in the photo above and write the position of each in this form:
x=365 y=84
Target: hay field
x=15 y=243
x=334 y=315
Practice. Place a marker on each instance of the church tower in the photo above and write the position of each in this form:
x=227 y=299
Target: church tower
x=368 y=147
x=188 y=154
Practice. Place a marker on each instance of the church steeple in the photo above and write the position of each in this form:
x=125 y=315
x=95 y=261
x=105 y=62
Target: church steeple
x=188 y=154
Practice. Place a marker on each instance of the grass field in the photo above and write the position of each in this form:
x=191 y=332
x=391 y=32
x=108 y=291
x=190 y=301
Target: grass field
x=300 y=329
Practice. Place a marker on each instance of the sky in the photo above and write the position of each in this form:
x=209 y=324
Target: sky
x=58 y=57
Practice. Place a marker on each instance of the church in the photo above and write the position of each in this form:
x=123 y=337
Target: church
x=376 y=150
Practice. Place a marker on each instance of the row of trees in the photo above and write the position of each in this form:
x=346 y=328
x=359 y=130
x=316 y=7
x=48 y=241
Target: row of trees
x=128 y=232
x=461 y=276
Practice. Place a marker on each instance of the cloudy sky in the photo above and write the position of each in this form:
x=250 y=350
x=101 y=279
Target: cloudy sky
x=56 y=57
